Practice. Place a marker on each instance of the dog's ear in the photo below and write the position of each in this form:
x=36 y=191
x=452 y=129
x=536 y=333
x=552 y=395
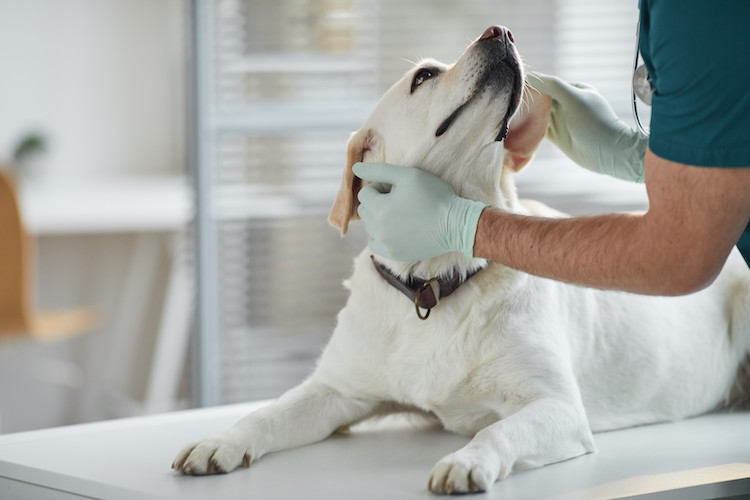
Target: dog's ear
x=345 y=207
x=527 y=129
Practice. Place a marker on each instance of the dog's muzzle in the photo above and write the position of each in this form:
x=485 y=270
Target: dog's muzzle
x=497 y=42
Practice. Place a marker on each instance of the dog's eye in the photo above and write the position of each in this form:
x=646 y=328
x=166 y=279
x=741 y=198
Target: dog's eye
x=421 y=76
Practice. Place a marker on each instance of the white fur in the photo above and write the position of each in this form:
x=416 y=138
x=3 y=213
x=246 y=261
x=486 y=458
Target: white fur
x=527 y=366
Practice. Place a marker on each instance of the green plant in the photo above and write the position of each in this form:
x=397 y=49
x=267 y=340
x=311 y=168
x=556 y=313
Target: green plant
x=30 y=144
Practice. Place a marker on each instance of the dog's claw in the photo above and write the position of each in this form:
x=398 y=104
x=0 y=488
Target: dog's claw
x=437 y=487
x=449 y=488
x=246 y=461
x=472 y=484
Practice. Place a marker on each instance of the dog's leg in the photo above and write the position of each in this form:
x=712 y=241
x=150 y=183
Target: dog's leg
x=305 y=414
x=543 y=432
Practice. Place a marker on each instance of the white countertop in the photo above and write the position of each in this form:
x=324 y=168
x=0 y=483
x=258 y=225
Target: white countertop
x=105 y=204
x=131 y=459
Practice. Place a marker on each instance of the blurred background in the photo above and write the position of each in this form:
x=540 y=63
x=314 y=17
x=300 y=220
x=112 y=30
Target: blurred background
x=173 y=163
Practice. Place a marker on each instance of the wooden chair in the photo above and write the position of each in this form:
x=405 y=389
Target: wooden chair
x=18 y=316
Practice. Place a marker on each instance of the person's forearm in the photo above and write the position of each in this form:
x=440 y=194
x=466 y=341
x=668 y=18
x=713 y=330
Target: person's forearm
x=614 y=251
x=695 y=217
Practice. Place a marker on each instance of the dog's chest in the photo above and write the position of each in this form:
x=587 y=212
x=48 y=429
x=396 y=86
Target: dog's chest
x=447 y=380
x=440 y=365
x=448 y=364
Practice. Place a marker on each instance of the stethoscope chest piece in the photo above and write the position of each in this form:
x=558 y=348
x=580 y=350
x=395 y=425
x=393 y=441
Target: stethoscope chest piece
x=642 y=85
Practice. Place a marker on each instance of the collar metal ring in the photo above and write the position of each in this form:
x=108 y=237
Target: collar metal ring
x=419 y=294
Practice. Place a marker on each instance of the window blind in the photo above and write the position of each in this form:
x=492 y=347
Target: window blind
x=289 y=80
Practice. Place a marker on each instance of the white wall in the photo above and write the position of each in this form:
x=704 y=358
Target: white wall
x=103 y=78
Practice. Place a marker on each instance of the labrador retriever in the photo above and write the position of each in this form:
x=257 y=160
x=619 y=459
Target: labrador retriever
x=528 y=367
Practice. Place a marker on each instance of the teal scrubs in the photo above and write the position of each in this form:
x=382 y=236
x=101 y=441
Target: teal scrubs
x=696 y=53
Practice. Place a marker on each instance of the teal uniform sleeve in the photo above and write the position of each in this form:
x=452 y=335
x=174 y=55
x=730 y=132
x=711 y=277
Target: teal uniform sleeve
x=696 y=53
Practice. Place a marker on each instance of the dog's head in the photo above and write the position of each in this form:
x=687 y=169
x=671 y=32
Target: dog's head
x=450 y=120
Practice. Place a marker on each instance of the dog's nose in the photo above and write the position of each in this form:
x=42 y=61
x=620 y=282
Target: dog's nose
x=497 y=32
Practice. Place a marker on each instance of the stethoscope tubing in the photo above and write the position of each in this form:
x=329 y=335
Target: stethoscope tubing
x=640 y=84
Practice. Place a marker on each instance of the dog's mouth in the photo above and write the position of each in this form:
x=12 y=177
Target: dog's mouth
x=515 y=101
x=498 y=71
x=448 y=121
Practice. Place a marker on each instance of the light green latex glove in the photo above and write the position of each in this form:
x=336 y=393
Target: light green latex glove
x=413 y=215
x=585 y=127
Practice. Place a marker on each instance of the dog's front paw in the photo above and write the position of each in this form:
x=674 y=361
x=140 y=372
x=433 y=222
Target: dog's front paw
x=211 y=456
x=462 y=472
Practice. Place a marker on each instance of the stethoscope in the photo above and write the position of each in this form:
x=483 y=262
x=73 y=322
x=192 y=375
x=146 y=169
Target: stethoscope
x=642 y=86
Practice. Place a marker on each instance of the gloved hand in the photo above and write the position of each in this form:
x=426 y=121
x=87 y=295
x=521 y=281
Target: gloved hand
x=585 y=127
x=413 y=215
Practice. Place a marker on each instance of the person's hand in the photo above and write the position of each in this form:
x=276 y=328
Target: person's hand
x=585 y=127
x=413 y=215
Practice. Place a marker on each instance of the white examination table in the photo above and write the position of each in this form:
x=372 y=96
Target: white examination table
x=130 y=459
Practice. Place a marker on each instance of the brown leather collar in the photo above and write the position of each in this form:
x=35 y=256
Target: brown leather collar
x=418 y=290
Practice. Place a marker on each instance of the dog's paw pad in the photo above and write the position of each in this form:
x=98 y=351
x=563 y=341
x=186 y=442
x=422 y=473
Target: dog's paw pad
x=211 y=456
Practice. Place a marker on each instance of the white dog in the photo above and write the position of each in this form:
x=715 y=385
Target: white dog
x=527 y=366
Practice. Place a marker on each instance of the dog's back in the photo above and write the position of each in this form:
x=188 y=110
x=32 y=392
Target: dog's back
x=641 y=359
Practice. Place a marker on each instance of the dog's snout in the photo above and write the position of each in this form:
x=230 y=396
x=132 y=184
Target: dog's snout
x=497 y=33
